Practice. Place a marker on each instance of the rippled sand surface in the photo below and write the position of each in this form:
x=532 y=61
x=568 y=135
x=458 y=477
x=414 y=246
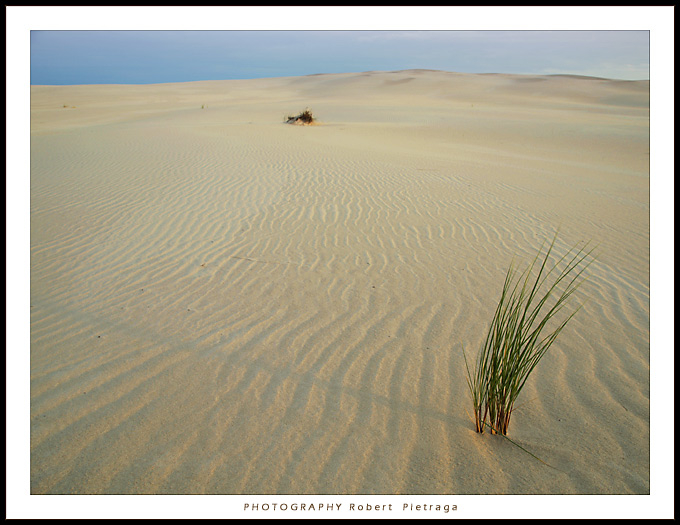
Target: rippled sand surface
x=225 y=304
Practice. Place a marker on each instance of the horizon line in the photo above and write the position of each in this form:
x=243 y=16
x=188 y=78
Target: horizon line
x=570 y=75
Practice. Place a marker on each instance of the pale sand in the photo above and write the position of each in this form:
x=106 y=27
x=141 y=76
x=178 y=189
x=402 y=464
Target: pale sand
x=225 y=304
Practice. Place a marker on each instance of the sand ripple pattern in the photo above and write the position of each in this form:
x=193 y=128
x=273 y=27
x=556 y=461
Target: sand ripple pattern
x=227 y=307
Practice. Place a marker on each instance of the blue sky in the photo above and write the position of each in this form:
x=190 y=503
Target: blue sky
x=159 y=56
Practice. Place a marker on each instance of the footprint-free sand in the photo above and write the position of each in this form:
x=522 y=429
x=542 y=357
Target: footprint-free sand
x=225 y=304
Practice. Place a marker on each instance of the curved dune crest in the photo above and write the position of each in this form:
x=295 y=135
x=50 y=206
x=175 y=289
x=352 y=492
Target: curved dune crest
x=224 y=305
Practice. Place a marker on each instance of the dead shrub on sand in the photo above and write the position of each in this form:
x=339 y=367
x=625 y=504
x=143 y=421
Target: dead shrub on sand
x=305 y=118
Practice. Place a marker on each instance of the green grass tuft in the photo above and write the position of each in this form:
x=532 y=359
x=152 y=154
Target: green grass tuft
x=519 y=336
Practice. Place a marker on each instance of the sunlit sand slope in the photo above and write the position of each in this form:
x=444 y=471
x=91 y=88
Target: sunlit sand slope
x=225 y=304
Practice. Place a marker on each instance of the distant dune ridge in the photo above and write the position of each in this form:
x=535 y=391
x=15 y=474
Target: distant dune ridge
x=224 y=304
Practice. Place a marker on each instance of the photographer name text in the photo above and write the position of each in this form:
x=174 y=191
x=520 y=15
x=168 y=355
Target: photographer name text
x=351 y=507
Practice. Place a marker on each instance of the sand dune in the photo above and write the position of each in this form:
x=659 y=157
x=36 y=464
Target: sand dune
x=225 y=304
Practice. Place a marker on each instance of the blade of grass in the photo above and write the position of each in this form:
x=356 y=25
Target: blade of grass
x=524 y=449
